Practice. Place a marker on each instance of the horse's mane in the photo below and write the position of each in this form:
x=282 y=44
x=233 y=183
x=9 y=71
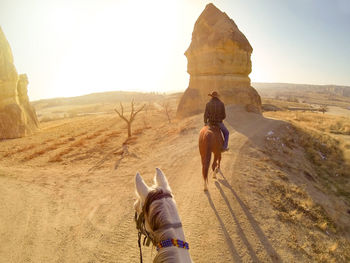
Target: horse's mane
x=156 y=214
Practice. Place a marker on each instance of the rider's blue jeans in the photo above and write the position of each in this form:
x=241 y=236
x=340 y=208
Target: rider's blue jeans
x=226 y=134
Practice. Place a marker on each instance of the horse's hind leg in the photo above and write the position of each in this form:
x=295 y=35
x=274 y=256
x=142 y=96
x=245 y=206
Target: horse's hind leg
x=218 y=163
x=214 y=166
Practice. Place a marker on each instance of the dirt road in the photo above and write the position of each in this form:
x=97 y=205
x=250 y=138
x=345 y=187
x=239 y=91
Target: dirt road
x=65 y=211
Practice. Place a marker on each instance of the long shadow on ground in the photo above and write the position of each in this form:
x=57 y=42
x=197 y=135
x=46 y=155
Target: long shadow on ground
x=255 y=225
x=233 y=251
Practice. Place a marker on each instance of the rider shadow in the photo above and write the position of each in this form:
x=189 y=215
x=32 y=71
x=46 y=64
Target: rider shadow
x=240 y=231
x=233 y=251
x=255 y=225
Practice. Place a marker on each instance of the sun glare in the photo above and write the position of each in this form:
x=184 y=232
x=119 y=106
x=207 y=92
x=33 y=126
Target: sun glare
x=120 y=48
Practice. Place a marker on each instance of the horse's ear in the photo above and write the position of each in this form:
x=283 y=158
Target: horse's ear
x=141 y=187
x=161 y=180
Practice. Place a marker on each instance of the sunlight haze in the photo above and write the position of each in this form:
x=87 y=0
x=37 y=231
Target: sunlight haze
x=70 y=48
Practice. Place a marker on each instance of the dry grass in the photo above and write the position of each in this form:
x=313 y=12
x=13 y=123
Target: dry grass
x=113 y=134
x=313 y=131
x=282 y=104
x=315 y=120
x=327 y=158
x=296 y=208
x=79 y=143
x=93 y=135
x=58 y=157
x=131 y=140
x=22 y=149
x=138 y=131
x=40 y=152
x=109 y=136
x=103 y=140
x=294 y=205
x=308 y=148
x=45 y=150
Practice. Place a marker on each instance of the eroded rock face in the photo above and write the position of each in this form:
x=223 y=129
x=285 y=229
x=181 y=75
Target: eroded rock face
x=17 y=116
x=218 y=59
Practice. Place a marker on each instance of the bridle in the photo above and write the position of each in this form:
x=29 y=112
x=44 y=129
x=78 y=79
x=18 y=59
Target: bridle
x=140 y=221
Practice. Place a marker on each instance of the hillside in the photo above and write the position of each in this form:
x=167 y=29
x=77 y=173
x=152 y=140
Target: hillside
x=312 y=94
x=67 y=192
x=95 y=103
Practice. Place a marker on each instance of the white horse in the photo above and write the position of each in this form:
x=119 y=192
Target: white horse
x=161 y=219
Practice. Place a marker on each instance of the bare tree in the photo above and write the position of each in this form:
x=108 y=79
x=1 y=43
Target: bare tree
x=132 y=115
x=323 y=108
x=167 y=110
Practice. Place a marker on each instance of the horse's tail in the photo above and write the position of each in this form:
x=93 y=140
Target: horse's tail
x=205 y=148
x=206 y=161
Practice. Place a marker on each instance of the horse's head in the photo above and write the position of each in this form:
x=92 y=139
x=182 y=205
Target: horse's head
x=157 y=218
x=150 y=202
x=142 y=190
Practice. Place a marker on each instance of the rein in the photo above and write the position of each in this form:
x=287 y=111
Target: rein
x=141 y=227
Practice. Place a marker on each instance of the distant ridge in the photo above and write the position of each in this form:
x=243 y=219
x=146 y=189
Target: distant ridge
x=264 y=89
x=290 y=87
x=100 y=97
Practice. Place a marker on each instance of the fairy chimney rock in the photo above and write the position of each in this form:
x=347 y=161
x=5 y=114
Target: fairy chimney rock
x=218 y=60
x=17 y=116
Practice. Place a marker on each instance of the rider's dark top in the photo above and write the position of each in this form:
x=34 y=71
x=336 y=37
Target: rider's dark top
x=214 y=112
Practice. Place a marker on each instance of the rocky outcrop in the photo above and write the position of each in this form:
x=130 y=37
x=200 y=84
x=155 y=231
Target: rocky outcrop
x=218 y=60
x=17 y=116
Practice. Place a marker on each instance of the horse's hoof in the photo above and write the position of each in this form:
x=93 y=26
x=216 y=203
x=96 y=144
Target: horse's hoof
x=205 y=189
x=214 y=176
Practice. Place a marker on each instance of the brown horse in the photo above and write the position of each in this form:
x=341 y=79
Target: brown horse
x=210 y=141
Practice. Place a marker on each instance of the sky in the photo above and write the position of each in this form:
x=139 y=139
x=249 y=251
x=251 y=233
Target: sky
x=75 y=47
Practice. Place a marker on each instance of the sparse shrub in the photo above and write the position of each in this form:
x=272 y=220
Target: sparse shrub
x=167 y=110
x=323 y=108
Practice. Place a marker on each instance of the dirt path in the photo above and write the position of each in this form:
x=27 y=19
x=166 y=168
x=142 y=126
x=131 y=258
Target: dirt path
x=64 y=213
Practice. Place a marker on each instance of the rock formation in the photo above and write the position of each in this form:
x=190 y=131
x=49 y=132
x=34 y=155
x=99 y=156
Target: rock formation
x=17 y=116
x=218 y=59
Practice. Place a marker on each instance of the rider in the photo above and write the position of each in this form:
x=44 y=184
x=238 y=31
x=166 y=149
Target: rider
x=214 y=115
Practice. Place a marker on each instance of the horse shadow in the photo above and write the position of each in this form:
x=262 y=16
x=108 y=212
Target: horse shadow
x=271 y=252
x=233 y=250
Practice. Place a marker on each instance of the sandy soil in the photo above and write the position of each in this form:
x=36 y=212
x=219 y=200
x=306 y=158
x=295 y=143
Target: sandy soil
x=67 y=192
